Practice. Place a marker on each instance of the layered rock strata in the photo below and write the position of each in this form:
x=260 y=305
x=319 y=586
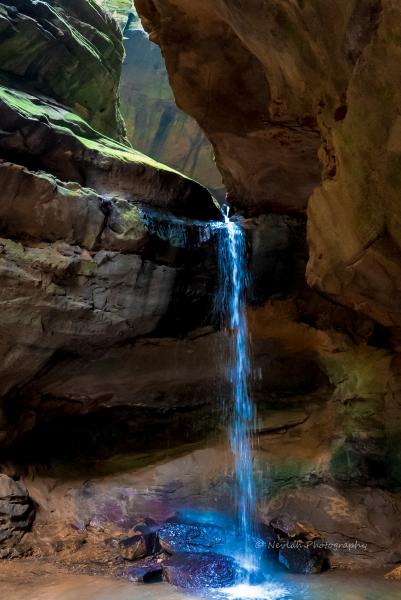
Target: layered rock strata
x=81 y=267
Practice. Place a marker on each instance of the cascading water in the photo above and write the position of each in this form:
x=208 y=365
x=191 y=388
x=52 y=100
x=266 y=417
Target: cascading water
x=233 y=286
x=231 y=248
x=243 y=544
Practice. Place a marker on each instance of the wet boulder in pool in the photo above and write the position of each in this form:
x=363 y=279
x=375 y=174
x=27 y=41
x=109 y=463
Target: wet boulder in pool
x=179 y=537
x=301 y=549
x=201 y=570
x=183 y=537
x=304 y=559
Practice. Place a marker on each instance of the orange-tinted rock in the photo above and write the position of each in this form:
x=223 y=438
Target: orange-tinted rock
x=155 y=125
x=292 y=93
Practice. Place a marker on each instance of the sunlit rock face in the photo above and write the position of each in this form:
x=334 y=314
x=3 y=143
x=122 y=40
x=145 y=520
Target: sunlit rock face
x=70 y=52
x=119 y=9
x=298 y=97
x=155 y=125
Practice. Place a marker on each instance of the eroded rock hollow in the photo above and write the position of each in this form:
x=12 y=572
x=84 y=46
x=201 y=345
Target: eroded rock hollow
x=111 y=378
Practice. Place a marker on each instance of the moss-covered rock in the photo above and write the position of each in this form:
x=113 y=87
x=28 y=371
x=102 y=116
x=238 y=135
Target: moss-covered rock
x=80 y=268
x=61 y=142
x=70 y=51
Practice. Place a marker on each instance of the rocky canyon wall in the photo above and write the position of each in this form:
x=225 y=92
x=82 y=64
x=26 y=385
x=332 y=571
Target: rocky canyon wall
x=301 y=102
x=110 y=387
x=81 y=271
x=155 y=124
x=275 y=85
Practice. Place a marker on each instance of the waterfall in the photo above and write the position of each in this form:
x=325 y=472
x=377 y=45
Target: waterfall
x=231 y=304
x=233 y=286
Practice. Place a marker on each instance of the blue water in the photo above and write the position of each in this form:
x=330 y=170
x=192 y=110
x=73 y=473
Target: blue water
x=233 y=287
x=231 y=303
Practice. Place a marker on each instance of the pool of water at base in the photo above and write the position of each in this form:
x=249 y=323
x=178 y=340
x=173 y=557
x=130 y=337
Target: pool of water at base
x=335 y=585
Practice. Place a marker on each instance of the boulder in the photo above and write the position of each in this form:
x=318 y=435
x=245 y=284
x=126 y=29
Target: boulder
x=193 y=538
x=16 y=513
x=133 y=548
x=146 y=571
x=299 y=548
x=144 y=543
x=360 y=525
x=201 y=570
x=284 y=526
x=178 y=537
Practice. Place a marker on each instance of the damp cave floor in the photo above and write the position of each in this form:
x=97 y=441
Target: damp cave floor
x=36 y=580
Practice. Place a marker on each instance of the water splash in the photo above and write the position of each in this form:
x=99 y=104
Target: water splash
x=267 y=591
x=234 y=282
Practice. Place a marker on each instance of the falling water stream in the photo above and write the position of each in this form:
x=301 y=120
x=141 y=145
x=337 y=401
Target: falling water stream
x=231 y=245
x=234 y=281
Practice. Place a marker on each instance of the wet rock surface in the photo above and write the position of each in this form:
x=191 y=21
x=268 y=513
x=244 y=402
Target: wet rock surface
x=177 y=537
x=149 y=570
x=201 y=570
x=184 y=537
x=299 y=548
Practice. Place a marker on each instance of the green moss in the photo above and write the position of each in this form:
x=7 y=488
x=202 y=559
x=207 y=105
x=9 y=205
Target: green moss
x=132 y=219
x=361 y=372
x=68 y=122
x=272 y=475
x=344 y=464
x=119 y=9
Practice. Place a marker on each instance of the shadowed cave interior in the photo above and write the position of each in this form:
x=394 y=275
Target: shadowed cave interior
x=200 y=242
